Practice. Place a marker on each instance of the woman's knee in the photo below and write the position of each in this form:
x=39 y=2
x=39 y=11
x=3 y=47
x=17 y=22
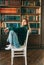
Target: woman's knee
x=11 y=32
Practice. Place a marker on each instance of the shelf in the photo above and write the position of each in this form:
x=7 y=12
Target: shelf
x=11 y=21
x=7 y=6
x=31 y=14
x=34 y=22
x=20 y=6
x=22 y=14
x=35 y=28
x=10 y=14
x=37 y=7
x=19 y=22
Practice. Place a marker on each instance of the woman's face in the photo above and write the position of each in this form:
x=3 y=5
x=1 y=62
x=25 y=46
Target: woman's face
x=24 y=22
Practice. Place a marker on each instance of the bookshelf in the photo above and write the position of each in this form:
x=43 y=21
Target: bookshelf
x=13 y=11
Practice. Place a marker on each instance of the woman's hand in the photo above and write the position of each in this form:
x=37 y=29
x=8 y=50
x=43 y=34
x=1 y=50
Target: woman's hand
x=6 y=30
x=30 y=29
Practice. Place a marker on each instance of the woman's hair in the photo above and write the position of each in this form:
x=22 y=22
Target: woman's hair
x=26 y=20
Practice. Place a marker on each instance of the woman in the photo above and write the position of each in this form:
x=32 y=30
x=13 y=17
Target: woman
x=13 y=37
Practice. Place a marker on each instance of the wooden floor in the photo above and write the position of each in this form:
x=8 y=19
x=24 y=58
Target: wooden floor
x=35 y=57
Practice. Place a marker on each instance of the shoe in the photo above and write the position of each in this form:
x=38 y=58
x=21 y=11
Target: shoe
x=8 y=48
x=7 y=45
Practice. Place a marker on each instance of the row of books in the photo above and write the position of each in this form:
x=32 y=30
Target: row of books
x=30 y=10
x=27 y=10
x=21 y=10
x=9 y=18
x=22 y=2
x=18 y=18
x=31 y=3
x=10 y=10
x=34 y=25
x=10 y=2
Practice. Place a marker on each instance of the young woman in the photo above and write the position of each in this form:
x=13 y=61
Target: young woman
x=13 y=37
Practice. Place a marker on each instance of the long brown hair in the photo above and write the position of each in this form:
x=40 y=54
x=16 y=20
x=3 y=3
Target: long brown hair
x=26 y=20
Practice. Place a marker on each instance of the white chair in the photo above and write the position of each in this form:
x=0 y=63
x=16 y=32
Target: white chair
x=19 y=53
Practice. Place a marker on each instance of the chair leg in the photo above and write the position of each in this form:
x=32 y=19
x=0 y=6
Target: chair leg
x=12 y=58
x=25 y=58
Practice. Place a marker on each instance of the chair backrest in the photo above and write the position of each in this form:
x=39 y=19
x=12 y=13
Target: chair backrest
x=26 y=38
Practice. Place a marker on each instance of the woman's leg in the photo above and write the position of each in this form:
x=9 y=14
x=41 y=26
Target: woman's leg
x=13 y=39
x=9 y=39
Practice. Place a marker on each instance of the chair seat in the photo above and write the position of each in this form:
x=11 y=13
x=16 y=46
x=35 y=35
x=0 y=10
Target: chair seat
x=18 y=49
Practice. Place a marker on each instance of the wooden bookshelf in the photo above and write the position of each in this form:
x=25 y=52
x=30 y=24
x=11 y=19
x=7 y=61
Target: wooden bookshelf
x=23 y=8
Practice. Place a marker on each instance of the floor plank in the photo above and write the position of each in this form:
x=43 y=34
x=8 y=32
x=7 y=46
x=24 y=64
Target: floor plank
x=35 y=57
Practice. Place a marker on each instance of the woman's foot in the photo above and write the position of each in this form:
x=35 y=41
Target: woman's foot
x=8 y=48
x=7 y=45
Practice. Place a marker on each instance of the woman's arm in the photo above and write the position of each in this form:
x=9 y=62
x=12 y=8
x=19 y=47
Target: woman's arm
x=29 y=29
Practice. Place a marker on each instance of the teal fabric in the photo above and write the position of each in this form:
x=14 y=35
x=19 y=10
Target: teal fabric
x=21 y=33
